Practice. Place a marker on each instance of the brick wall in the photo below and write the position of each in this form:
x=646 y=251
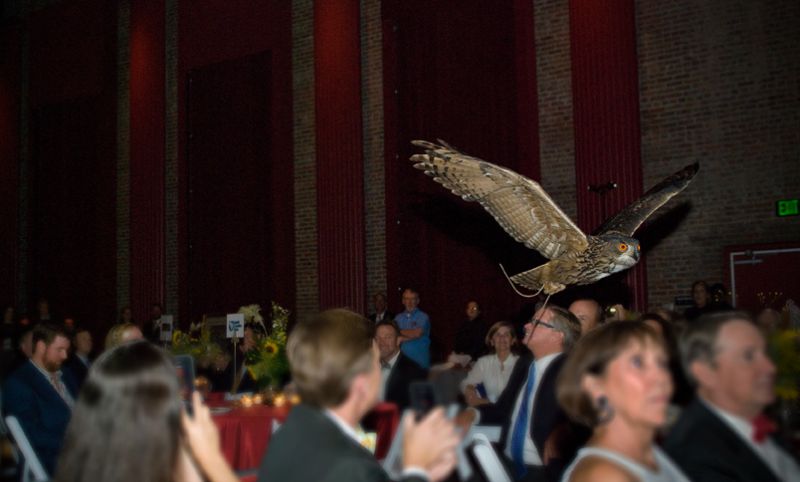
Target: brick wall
x=374 y=172
x=554 y=79
x=719 y=85
x=305 y=179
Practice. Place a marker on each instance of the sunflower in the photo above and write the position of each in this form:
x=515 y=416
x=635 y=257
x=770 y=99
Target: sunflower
x=270 y=347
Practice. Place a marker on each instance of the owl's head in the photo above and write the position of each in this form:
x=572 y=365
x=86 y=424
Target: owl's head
x=623 y=249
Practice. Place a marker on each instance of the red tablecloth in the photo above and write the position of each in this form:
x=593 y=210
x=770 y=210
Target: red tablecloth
x=244 y=433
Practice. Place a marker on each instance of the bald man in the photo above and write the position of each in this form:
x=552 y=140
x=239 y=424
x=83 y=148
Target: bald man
x=589 y=313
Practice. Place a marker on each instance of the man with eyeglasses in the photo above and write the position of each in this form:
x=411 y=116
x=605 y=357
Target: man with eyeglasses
x=537 y=438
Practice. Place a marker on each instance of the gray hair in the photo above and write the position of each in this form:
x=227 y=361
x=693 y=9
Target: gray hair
x=567 y=324
x=699 y=341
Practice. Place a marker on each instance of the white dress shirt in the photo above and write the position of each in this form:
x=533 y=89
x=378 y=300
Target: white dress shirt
x=530 y=454
x=386 y=372
x=781 y=464
x=493 y=373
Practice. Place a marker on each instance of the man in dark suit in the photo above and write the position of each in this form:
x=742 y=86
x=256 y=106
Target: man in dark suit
x=381 y=312
x=723 y=435
x=536 y=435
x=78 y=363
x=40 y=395
x=335 y=366
x=397 y=370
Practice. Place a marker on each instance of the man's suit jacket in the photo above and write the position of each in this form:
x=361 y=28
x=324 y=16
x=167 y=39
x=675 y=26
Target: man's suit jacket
x=310 y=447
x=78 y=369
x=387 y=316
x=404 y=371
x=41 y=411
x=706 y=449
x=547 y=419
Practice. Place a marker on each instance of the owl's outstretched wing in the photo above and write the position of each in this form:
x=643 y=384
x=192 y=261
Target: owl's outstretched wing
x=518 y=204
x=628 y=220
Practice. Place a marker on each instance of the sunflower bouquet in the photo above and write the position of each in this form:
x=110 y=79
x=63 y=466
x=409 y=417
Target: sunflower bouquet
x=197 y=343
x=267 y=362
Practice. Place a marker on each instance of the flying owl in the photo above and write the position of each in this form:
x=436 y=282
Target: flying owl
x=530 y=216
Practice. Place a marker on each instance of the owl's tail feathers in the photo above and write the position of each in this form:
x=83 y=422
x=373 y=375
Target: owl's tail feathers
x=528 y=279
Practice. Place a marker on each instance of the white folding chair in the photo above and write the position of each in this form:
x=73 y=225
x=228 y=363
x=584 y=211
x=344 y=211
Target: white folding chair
x=489 y=464
x=32 y=470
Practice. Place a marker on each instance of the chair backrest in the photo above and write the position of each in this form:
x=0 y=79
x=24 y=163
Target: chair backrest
x=33 y=470
x=483 y=455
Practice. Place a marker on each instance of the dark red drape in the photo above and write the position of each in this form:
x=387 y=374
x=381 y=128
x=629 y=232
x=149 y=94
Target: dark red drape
x=340 y=169
x=606 y=115
x=462 y=72
x=10 y=77
x=73 y=160
x=235 y=33
x=147 y=155
x=230 y=226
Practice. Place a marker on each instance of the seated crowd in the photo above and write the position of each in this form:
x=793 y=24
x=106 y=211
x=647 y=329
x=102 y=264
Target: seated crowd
x=579 y=394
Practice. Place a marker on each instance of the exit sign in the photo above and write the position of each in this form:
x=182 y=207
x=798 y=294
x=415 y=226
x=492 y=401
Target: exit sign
x=787 y=207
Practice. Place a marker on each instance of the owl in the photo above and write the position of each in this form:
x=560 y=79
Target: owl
x=525 y=211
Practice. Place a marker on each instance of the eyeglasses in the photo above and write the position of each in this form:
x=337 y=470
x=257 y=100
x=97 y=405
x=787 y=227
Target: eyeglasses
x=543 y=323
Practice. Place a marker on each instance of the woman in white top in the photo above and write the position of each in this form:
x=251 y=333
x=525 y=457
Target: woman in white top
x=492 y=371
x=617 y=380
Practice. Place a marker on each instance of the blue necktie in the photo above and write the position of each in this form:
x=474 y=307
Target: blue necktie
x=518 y=434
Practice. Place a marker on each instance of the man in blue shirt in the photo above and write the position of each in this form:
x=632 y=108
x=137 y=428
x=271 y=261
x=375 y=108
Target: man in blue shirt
x=415 y=330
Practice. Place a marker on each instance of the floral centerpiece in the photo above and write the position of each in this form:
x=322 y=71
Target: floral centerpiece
x=267 y=362
x=197 y=343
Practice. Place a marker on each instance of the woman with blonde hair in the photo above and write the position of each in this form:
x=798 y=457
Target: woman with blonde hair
x=492 y=371
x=122 y=333
x=617 y=381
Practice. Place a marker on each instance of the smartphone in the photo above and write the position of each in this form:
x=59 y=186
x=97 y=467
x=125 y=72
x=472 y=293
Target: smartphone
x=184 y=370
x=423 y=398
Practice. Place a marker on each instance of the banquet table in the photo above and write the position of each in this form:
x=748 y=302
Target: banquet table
x=245 y=433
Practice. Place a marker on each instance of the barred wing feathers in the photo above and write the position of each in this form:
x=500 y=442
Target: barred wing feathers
x=521 y=207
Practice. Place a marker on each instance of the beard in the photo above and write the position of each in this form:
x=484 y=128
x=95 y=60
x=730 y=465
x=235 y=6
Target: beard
x=52 y=366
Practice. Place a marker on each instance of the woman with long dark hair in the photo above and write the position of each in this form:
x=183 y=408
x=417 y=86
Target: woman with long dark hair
x=127 y=424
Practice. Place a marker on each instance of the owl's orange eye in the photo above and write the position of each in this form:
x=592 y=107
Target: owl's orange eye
x=638 y=247
x=623 y=247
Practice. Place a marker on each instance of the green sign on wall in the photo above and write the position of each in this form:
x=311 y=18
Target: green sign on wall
x=787 y=207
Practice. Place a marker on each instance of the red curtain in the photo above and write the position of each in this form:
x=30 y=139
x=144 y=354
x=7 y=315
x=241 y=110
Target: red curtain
x=231 y=217
x=72 y=190
x=606 y=111
x=462 y=72
x=147 y=156
x=10 y=77
x=340 y=168
x=239 y=31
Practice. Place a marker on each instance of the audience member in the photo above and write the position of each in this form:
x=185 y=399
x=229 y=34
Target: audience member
x=540 y=450
x=489 y=376
x=122 y=333
x=702 y=301
x=335 y=367
x=128 y=425
x=40 y=395
x=241 y=379
x=126 y=315
x=381 y=312
x=471 y=335
x=152 y=328
x=616 y=382
x=397 y=370
x=43 y=311
x=682 y=391
x=78 y=363
x=769 y=320
x=723 y=434
x=588 y=312
x=415 y=330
